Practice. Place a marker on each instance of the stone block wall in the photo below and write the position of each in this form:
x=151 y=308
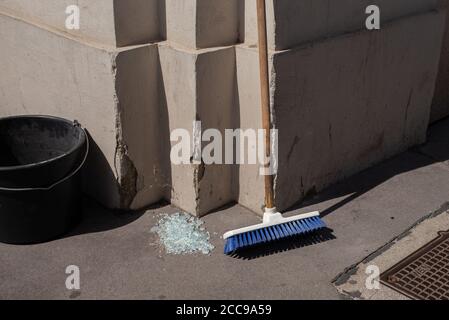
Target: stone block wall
x=440 y=106
x=343 y=98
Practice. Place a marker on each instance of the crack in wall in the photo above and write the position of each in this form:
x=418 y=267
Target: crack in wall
x=125 y=171
x=127 y=176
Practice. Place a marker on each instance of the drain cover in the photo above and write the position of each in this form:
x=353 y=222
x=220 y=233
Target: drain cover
x=423 y=275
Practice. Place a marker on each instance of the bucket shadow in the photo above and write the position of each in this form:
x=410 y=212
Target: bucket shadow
x=97 y=218
x=284 y=245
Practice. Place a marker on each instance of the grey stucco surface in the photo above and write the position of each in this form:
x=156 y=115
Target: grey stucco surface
x=119 y=257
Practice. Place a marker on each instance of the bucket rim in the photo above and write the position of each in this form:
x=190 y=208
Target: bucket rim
x=74 y=123
x=61 y=181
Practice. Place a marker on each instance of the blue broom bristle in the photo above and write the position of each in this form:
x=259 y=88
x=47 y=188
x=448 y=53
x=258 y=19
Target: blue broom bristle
x=273 y=233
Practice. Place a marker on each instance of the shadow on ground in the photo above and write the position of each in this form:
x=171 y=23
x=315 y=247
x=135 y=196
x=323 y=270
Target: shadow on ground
x=96 y=218
x=284 y=245
x=99 y=219
x=436 y=149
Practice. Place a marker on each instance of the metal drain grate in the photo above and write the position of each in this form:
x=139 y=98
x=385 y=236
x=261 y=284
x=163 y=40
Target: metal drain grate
x=424 y=274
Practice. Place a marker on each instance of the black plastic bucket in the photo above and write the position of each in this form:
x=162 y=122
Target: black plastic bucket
x=30 y=214
x=37 y=151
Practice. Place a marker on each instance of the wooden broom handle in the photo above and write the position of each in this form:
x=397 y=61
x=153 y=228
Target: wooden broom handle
x=265 y=96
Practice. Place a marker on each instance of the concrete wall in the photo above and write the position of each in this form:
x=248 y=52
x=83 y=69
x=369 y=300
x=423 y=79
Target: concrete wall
x=202 y=23
x=206 y=94
x=340 y=106
x=440 y=106
x=343 y=98
x=292 y=23
x=104 y=21
x=114 y=94
x=367 y=107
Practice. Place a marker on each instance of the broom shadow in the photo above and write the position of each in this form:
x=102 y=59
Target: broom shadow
x=284 y=245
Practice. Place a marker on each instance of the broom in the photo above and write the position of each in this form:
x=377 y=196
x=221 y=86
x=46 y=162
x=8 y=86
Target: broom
x=274 y=226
